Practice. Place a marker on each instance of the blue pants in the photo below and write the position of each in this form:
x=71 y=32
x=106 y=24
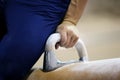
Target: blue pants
x=27 y=25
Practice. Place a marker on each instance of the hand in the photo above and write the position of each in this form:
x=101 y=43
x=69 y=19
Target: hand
x=68 y=35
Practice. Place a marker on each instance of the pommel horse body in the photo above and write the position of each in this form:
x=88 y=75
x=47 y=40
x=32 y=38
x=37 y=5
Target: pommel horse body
x=81 y=69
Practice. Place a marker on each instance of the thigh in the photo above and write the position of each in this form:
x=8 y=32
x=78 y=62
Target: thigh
x=28 y=27
x=29 y=16
x=34 y=14
x=25 y=40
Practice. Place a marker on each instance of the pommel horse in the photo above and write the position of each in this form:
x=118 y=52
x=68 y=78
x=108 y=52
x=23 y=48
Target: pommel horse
x=81 y=69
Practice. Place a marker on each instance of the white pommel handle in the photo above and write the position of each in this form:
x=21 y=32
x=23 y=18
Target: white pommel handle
x=50 y=60
x=80 y=46
x=51 y=42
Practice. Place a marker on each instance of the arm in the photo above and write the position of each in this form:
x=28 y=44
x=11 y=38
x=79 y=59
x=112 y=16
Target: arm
x=75 y=11
x=73 y=14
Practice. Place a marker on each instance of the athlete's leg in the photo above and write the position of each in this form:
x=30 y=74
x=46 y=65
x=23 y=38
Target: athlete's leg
x=27 y=31
x=24 y=43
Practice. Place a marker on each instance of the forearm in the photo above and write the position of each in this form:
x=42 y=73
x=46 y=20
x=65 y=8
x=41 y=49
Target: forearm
x=66 y=29
x=75 y=11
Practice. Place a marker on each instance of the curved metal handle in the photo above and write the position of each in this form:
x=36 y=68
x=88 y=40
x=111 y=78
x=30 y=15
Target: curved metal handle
x=50 y=60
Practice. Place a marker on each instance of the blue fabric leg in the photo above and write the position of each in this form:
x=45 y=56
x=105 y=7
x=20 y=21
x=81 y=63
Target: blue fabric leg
x=28 y=27
x=23 y=44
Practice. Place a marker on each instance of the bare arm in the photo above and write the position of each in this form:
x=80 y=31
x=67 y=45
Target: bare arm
x=75 y=11
x=73 y=14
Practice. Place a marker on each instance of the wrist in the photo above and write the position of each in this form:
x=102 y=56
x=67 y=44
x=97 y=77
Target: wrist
x=68 y=22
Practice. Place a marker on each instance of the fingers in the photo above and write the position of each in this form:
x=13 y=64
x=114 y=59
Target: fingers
x=71 y=40
x=64 y=38
x=68 y=35
x=68 y=39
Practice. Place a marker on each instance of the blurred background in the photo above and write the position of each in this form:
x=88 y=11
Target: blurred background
x=99 y=28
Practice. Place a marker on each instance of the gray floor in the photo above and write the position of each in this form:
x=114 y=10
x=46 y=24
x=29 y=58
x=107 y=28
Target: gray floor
x=99 y=28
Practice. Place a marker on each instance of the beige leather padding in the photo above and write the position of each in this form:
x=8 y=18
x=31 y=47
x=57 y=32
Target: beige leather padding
x=108 y=69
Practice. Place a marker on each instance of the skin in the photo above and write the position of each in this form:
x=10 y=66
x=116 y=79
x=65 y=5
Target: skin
x=68 y=35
